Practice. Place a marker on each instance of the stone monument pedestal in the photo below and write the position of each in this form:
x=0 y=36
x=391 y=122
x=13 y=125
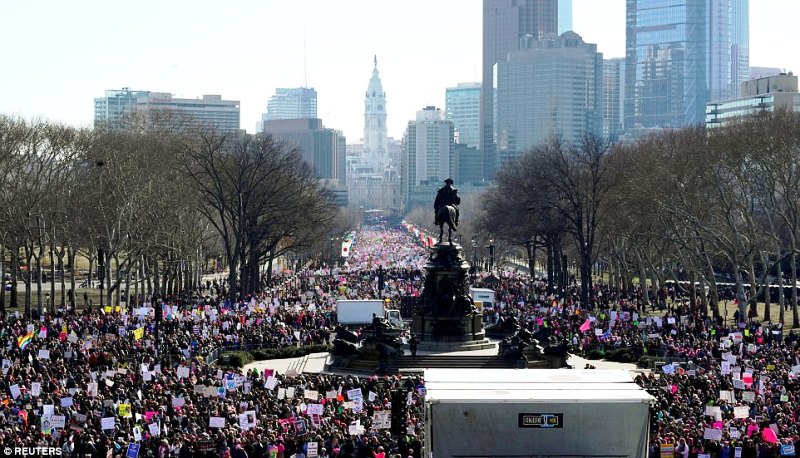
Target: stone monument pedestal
x=447 y=319
x=450 y=333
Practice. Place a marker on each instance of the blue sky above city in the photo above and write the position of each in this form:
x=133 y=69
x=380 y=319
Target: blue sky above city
x=58 y=56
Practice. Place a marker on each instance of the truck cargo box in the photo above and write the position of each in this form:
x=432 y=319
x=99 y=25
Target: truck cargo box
x=534 y=413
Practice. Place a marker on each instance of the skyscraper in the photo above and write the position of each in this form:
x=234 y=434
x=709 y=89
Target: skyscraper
x=463 y=107
x=290 y=103
x=613 y=97
x=505 y=22
x=729 y=44
x=427 y=155
x=210 y=111
x=564 y=16
x=322 y=148
x=681 y=54
x=553 y=87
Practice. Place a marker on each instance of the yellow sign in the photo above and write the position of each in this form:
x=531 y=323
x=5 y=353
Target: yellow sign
x=138 y=333
x=107 y=309
x=125 y=410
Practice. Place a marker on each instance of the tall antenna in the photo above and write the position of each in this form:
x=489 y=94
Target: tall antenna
x=305 y=67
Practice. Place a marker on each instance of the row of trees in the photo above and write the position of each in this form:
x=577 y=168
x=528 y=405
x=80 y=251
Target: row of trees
x=155 y=204
x=694 y=204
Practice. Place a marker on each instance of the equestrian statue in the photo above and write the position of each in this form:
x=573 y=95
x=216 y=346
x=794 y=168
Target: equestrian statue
x=446 y=209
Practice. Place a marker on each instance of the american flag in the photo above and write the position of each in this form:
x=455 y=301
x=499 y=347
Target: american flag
x=196 y=329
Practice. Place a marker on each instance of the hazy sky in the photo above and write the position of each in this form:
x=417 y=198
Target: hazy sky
x=56 y=56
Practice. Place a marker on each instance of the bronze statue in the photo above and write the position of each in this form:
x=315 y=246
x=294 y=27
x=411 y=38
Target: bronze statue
x=446 y=209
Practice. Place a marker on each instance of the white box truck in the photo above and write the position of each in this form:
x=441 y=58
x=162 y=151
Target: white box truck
x=358 y=312
x=482 y=295
x=534 y=412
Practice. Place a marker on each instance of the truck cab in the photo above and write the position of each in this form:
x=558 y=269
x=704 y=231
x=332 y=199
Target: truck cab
x=394 y=318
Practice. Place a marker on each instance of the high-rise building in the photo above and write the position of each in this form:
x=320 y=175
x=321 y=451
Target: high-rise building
x=463 y=107
x=427 y=156
x=613 y=97
x=290 y=103
x=564 y=16
x=322 y=148
x=113 y=110
x=373 y=181
x=681 y=54
x=729 y=44
x=505 y=22
x=770 y=93
x=552 y=88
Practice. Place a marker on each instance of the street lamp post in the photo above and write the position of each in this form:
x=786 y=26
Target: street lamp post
x=491 y=255
x=331 y=251
x=474 y=256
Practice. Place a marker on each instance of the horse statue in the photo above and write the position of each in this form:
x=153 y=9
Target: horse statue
x=446 y=215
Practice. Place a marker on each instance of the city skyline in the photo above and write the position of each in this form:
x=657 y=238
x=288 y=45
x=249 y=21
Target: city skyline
x=67 y=57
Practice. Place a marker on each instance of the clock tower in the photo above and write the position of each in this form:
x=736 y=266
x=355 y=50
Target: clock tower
x=375 y=137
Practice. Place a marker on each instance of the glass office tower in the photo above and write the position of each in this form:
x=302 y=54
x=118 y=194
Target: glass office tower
x=681 y=54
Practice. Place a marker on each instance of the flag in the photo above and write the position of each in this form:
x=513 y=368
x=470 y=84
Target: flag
x=585 y=326
x=346 y=248
x=138 y=333
x=23 y=341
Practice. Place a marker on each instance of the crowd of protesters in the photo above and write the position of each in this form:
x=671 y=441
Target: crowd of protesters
x=722 y=388
x=103 y=382
x=92 y=382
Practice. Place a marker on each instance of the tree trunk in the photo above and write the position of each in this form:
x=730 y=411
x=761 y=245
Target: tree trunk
x=232 y=286
x=71 y=261
x=147 y=276
x=52 y=304
x=128 y=302
x=753 y=288
x=795 y=320
x=3 y=280
x=767 y=298
x=118 y=287
x=740 y=295
x=156 y=278
x=550 y=266
x=138 y=265
x=269 y=266
x=781 y=297
x=15 y=278
x=61 y=253
x=643 y=284
x=692 y=291
x=91 y=270
x=39 y=292
x=28 y=286
x=530 y=250
x=713 y=291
